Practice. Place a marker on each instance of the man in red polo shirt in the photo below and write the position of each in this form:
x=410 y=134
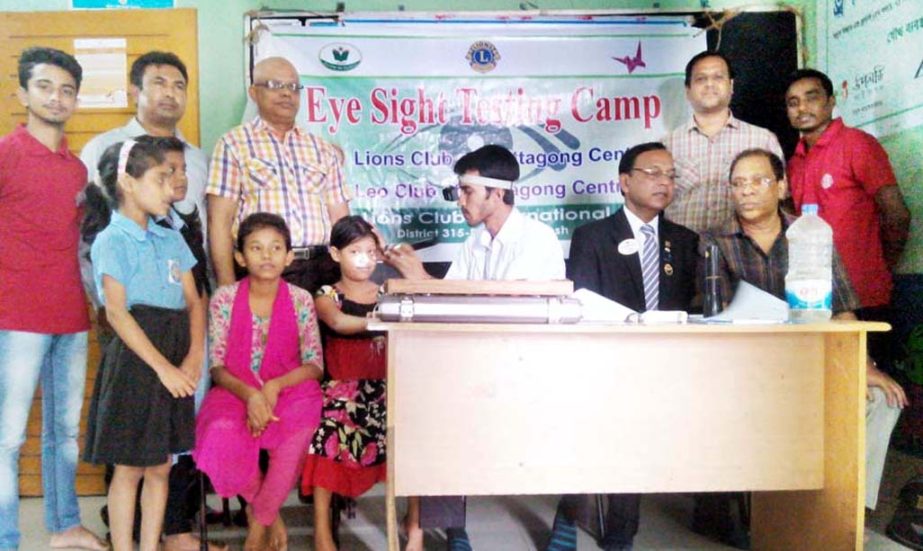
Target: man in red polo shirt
x=846 y=172
x=43 y=313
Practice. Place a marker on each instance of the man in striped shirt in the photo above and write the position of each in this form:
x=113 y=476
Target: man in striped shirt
x=271 y=165
x=704 y=147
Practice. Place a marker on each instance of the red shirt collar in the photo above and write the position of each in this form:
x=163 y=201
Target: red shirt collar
x=828 y=135
x=32 y=146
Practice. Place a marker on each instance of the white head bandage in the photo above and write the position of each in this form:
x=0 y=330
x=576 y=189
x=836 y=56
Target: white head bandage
x=474 y=180
x=124 y=152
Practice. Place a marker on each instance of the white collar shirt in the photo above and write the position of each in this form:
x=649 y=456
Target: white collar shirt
x=636 y=224
x=524 y=248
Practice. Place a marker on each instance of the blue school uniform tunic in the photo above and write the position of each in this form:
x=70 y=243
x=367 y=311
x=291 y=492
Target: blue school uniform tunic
x=149 y=263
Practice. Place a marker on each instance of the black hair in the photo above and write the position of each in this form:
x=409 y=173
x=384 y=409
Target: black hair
x=627 y=162
x=491 y=161
x=260 y=220
x=136 y=76
x=702 y=55
x=778 y=168
x=811 y=73
x=163 y=143
x=38 y=55
x=103 y=196
x=350 y=229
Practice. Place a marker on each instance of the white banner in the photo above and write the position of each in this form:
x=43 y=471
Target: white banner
x=405 y=98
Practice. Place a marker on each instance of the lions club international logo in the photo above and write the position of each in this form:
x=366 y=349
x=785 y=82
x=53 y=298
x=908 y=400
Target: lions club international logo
x=340 y=57
x=483 y=56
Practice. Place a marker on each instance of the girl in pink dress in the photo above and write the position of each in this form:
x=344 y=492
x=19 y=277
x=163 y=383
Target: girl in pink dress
x=266 y=363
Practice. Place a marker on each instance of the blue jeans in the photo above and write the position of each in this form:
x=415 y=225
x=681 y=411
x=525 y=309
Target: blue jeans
x=59 y=361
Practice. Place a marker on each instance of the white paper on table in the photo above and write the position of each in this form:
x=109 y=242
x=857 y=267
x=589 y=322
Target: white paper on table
x=752 y=304
x=597 y=308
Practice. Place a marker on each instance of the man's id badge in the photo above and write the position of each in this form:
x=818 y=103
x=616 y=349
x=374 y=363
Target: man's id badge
x=174 y=274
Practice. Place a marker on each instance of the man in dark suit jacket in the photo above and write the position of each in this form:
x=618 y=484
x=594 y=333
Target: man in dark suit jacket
x=606 y=258
x=604 y=255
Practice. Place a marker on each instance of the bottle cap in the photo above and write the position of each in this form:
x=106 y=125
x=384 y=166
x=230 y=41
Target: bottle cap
x=809 y=208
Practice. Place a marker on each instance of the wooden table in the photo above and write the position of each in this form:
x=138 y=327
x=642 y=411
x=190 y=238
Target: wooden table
x=779 y=410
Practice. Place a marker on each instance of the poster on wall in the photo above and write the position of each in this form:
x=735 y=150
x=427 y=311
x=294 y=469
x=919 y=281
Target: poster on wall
x=405 y=98
x=873 y=52
x=105 y=64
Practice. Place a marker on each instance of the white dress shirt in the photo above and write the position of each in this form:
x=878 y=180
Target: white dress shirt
x=524 y=248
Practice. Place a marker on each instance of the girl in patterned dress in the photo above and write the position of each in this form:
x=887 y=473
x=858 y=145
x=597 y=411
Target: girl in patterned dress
x=266 y=363
x=347 y=453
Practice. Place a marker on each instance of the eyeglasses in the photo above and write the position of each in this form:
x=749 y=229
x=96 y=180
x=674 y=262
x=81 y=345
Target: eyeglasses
x=657 y=173
x=761 y=182
x=275 y=85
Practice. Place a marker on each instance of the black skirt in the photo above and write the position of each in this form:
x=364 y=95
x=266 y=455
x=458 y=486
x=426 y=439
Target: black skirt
x=133 y=419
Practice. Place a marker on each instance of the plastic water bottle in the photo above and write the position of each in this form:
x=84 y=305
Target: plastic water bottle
x=809 y=281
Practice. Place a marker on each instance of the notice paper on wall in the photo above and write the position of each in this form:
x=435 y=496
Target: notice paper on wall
x=105 y=70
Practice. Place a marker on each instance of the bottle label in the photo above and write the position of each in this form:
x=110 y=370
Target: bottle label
x=809 y=294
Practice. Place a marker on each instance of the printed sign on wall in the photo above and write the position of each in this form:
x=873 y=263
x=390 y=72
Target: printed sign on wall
x=406 y=98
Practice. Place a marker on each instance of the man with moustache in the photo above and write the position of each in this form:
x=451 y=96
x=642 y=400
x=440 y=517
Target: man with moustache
x=271 y=165
x=158 y=85
x=43 y=314
x=704 y=147
x=645 y=262
x=753 y=248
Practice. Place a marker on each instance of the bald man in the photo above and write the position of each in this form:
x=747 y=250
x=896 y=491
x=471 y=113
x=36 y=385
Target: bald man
x=271 y=165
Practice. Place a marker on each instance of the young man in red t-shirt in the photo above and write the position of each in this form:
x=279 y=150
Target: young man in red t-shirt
x=846 y=172
x=43 y=314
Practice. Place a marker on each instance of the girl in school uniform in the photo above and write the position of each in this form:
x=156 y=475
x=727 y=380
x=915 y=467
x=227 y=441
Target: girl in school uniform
x=142 y=405
x=266 y=362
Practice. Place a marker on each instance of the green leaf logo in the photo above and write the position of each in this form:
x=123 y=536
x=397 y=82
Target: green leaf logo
x=340 y=57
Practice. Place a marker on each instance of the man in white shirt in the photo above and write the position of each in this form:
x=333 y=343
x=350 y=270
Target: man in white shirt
x=158 y=84
x=504 y=244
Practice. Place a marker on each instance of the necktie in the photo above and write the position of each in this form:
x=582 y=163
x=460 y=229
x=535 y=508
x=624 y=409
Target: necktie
x=650 y=267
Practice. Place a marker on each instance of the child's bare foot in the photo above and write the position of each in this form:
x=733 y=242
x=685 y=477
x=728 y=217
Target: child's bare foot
x=278 y=536
x=189 y=542
x=257 y=534
x=323 y=541
x=78 y=537
x=414 y=536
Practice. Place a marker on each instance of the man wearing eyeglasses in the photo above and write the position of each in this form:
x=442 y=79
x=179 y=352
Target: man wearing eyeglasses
x=645 y=262
x=753 y=248
x=704 y=147
x=269 y=164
